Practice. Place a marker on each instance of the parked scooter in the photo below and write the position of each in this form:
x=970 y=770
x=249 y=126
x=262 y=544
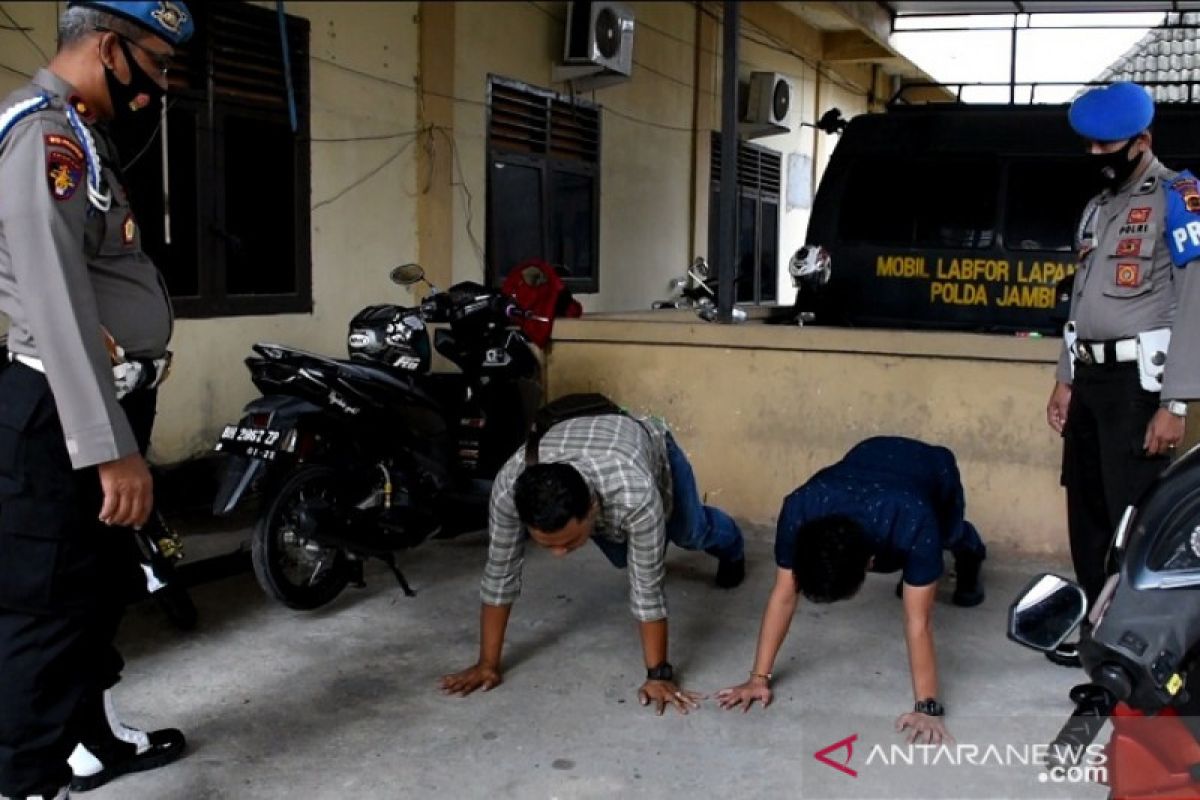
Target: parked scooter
x=1140 y=649
x=697 y=289
x=373 y=454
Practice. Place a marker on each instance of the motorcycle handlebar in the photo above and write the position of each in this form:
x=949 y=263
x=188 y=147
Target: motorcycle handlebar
x=1093 y=706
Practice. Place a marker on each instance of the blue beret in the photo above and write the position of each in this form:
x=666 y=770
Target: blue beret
x=1112 y=113
x=169 y=20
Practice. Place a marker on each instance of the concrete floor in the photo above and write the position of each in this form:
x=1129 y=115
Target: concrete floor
x=342 y=702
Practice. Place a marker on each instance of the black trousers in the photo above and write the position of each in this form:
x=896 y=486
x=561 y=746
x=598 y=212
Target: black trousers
x=64 y=582
x=1105 y=467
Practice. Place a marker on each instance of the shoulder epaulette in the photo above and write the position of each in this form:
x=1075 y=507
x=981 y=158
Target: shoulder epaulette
x=99 y=195
x=19 y=111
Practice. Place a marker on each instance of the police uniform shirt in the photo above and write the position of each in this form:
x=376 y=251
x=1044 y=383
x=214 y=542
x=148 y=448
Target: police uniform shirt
x=906 y=495
x=1129 y=280
x=70 y=270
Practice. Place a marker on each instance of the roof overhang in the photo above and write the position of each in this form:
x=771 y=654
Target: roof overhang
x=906 y=8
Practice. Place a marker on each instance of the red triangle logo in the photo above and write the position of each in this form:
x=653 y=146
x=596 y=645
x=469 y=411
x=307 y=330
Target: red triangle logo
x=841 y=766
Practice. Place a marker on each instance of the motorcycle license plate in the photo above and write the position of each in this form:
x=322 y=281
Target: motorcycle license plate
x=260 y=443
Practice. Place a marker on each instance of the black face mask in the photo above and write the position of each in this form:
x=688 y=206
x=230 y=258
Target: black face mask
x=1116 y=167
x=124 y=95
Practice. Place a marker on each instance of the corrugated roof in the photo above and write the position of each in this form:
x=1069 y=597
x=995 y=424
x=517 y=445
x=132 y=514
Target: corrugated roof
x=1166 y=59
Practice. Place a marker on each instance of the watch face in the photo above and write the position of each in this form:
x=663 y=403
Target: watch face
x=930 y=707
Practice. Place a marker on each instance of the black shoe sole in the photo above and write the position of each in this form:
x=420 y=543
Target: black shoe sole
x=86 y=783
x=967 y=599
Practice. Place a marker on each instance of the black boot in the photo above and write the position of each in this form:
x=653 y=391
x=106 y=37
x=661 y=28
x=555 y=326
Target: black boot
x=109 y=749
x=968 y=588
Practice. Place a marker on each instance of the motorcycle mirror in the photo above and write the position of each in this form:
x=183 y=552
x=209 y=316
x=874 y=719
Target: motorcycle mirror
x=700 y=267
x=1044 y=615
x=407 y=274
x=675 y=284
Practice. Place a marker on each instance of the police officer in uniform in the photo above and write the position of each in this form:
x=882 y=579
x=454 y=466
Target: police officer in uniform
x=90 y=321
x=1130 y=356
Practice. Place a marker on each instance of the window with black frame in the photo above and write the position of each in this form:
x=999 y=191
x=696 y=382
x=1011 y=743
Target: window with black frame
x=229 y=227
x=758 y=179
x=1044 y=201
x=543 y=183
x=937 y=202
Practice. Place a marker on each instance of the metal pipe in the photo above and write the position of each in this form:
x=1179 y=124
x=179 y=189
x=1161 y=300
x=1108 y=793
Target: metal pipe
x=727 y=214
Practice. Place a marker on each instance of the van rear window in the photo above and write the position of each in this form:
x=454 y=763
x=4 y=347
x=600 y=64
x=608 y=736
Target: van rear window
x=922 y=202
x=1043 y=202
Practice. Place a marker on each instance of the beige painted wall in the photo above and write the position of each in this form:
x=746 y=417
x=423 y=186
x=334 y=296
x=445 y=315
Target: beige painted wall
x=647 y=130
x=760 y=408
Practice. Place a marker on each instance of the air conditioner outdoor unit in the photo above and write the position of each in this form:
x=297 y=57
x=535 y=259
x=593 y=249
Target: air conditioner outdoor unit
x=768 y=101
x=598 y=50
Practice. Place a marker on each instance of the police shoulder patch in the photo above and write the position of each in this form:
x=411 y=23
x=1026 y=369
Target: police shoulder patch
x=64 y=142
x=64 y=172
x=1183 y=219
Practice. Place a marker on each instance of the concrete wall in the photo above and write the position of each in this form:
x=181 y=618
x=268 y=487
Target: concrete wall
x=760 y=408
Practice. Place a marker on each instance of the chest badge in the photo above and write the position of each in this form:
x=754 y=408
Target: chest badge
x=1137 y=216
x=1129 y=275
x=1129 y=247
x=128 y=229
x=63 y=174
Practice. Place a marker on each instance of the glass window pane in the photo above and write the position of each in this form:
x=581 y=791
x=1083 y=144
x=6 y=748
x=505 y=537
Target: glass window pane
x=514 y=216
x=768 y=260
x=140 y=150
x=572 y=223
x=747 y=237
x=1044 y=201
x=259 y=229
x=956 y=202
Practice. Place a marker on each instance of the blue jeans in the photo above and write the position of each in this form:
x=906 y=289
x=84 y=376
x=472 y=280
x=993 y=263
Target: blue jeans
x=692 y=525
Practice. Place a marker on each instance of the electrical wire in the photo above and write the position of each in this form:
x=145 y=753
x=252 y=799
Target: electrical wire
x=640 y=121
x=364 y=178
x=24 y=31
x=382 y=137
x=149 y=141
x=399 y=84
x=16 y=71
x=468 y=199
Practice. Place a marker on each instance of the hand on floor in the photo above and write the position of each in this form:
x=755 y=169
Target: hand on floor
x=480 y=676
x=664 y=693
x=922 y=728
x=745 y=694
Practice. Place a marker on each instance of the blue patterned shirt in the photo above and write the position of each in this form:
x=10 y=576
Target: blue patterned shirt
x=906 y=495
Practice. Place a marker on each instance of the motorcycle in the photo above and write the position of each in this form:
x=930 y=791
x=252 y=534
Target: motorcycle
x=366 y=456
x=697 y=289
x=1139 y=646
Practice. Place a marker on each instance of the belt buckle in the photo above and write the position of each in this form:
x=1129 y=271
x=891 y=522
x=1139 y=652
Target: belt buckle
x=1083 y=353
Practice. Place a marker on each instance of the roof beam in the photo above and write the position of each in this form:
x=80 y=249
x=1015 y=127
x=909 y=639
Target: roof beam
x=843 y=46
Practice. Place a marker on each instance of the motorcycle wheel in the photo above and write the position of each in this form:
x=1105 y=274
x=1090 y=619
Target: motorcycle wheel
x=298 y=572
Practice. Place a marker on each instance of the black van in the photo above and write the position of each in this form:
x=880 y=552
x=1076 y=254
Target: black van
x=962 y=217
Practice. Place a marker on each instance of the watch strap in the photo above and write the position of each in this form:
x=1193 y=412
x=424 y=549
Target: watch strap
x=930 y=707
x=661 y=672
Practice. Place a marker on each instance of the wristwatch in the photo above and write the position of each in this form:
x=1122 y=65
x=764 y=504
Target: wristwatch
x=930 y=707
x=663 y=672
x=1176 y=407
